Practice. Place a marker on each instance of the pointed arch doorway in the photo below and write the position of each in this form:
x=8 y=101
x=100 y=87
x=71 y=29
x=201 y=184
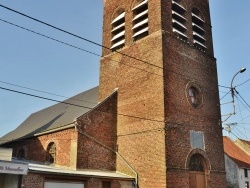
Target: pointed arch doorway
x=197 y=178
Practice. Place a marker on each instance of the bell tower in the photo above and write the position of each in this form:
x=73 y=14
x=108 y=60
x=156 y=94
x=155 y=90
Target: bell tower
x=160 y=57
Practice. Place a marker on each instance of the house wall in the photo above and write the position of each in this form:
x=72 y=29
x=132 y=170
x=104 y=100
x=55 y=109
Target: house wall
x=242 y=179
x=35 y=148
x=35 y=180
x=232 y=173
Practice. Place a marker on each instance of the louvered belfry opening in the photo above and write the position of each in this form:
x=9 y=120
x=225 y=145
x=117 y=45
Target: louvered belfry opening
x=140 y=20
x=179 y=20
x=198 y=30
x=118 y=31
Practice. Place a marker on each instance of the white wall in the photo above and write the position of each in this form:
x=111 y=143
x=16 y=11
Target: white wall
x=242 y=178
x=10 y=181
x=232 y=173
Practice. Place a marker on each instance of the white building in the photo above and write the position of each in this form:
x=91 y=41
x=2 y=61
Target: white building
x=11 y=171
x=237 y=163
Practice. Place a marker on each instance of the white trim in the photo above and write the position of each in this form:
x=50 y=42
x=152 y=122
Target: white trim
x=194 y=15
x=174 y=12
x=194 y=33
x=118 y=27
x=198 y=27
x=182 y=7
x=140 y=23
x=122 y=33
x=89 y=173
x=140 y=15
x=179 y=23
x=54 y=130
x=140 y=32
x=177 y=31
x=195 y=41
x=119 y=17
x=142 y=3
x=118 y=43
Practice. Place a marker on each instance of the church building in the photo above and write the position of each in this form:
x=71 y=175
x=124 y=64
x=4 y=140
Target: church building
x=154 y=120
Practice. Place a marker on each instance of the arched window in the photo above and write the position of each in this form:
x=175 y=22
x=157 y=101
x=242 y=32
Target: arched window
x=140 y=19
x=196 y=163
x=21 y=154
x=178 y=19
x=51 y=153
x=198 y=29
x=118 y=30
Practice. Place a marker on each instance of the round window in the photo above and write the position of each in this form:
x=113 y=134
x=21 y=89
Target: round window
x=194 y=95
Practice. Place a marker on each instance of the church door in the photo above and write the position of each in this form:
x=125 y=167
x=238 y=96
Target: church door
x=197 y=177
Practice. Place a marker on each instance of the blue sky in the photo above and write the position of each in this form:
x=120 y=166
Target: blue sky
x=32 y=61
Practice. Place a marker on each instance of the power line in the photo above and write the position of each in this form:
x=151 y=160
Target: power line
x=73 y=46
x=225 y=95
x=242 y=103
x=90 y=108
x=77 y=36
x=241 y=117
x=16 y=85
x=243 y=83
x=44 y=92
x=49 y=37
x=87 y=50
x=224 y=86
x=242 y=98
x=76 y=105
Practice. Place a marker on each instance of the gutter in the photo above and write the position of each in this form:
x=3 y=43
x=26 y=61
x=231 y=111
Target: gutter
x=71 y=125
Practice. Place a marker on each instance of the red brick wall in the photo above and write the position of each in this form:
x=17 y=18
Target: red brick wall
x=183 y=64
x=160 y=156
x=100 y=124
x=140 y=119
x=35 y=148
x=33 y=181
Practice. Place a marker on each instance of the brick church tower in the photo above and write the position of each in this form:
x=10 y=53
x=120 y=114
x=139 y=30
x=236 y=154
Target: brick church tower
x=161 y=62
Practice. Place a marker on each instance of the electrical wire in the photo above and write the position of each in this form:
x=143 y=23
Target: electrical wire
x=85 y=50
x=77 y=36
x=65 y=43
x=242 y=98
x=224 y=86
x=85 y=39
x=242 y=103
x=73 y=46
x=241 y=116
x=243 y=83
x=45 y=92
x=225 y=95
x=77 y=48
x=50 y=37
x=76 y=105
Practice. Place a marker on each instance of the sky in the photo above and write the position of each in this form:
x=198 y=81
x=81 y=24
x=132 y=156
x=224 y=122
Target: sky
x=28 y=60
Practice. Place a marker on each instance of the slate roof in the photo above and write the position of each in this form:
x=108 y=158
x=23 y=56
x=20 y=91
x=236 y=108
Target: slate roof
x=235 y=153
x=56 y=116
